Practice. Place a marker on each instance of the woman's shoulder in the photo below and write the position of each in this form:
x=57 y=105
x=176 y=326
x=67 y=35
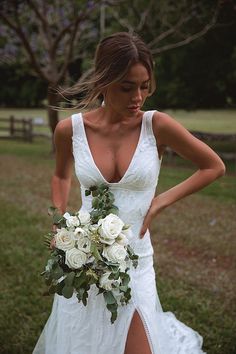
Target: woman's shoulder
x=64 y=128
x=164 y=123
x=166 y=127
x=160 y=119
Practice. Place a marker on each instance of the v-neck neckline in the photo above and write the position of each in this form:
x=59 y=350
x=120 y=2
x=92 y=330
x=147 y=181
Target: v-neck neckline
x=131 y=161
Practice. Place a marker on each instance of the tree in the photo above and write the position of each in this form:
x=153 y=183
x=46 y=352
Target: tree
x=54 y=37
x=50 y=36
x=168 y=24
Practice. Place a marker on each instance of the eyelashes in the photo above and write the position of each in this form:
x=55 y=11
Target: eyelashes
x=129 y=89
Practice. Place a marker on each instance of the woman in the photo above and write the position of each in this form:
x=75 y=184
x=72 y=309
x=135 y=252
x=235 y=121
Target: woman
x=122 y=146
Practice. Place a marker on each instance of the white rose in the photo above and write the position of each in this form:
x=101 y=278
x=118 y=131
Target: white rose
x=84 y=217
x=106 y=283
x=90 y=259
x=114 y=253
x=71 y=221
x=122 y=239
x=75 y=258
x=110 y=228
x=83 y=243
x=128 y=234
x=79 y=232
x=64 y=239
x=93 y=228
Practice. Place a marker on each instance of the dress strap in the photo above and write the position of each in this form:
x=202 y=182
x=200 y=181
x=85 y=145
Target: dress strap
x=76 y=124
x=148 y=126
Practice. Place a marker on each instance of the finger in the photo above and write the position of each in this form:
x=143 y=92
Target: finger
x=54 y=227
x=53 y=243
x=145 y=226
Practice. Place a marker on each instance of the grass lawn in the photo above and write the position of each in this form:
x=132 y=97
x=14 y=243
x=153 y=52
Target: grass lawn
x=215 y=121
x=194 y=243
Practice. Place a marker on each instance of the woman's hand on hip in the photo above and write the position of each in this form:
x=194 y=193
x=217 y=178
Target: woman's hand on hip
x=157 y=205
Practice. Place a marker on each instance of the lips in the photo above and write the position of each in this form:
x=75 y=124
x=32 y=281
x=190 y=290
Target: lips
x=133 y=107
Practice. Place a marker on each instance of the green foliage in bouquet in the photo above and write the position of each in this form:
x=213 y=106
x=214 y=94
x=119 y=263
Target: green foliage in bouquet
x=66 y=276
x=102 y=202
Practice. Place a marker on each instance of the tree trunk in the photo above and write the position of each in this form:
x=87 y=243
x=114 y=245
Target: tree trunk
x=52 y=98
x=53 y=119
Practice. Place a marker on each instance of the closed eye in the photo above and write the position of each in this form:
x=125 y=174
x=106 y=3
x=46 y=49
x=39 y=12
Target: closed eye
x=129 y=89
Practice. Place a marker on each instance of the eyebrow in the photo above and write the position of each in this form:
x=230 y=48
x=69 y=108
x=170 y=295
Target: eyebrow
x=133 y=83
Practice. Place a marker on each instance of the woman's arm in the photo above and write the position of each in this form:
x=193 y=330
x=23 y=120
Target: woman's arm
x=61 y=180
x=170 y=133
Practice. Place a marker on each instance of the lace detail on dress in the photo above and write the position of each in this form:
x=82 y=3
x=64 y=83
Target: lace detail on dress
x=71 y=328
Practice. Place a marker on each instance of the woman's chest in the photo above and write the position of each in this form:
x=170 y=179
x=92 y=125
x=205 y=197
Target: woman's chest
x=113 y=153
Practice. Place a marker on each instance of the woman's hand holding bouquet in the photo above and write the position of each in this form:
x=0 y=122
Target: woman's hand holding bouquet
x=91 y=248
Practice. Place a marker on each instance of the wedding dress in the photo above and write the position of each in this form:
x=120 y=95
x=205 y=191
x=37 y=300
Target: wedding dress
x=73 y=328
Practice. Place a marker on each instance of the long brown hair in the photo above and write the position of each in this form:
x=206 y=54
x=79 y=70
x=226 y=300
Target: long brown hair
x=114 y=56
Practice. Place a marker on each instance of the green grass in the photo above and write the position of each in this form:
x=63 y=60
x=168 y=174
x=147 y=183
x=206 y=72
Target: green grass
x=30 y=113
x=223 y=189
x=194 y=243
x=215 y=121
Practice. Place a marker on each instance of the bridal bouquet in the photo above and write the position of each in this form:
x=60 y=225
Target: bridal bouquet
x=91 y=248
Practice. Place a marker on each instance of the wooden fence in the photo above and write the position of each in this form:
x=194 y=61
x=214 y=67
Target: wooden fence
x=24 y=129
x=21 y=128
x=12 y=128
x=208 y=138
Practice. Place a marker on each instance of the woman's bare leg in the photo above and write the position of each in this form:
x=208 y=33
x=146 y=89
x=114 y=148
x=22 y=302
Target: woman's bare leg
x=137 y=342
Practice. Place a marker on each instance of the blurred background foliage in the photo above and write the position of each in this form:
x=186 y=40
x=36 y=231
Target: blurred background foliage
x=201 y=74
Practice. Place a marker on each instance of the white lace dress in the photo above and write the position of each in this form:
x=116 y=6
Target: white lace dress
x=73 y=328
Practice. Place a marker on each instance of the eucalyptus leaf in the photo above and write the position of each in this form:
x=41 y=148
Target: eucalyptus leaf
x=113 y=310
x=67 y=291
x=87 y=192
x=102 y=187
x=123 y=288
x=112 y=307
x=57 y=218
x=69 y=279
x=126 y=227
x=111 y=197
x=59 y=287
x=52 y=210
x=95 y=252
x=109 y=297
x=57 y=272
x=100 y=291
x=80 y=293
x=114 y=275
x=84 y=298
x=126 y=279
x=95 y=202
x=113 y=211
x=94 y=193
x=93 y=188
x=79 y=281
x=113 y=316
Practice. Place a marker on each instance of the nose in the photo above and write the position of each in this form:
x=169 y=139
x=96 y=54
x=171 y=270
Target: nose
x=137 y=97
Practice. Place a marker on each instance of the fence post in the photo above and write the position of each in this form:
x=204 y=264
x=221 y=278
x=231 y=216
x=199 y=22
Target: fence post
x=24 y=128
x=30 y=130
x=12 y=127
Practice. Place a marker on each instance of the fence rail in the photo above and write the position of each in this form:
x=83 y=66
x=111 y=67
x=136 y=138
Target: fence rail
x=24 y=129
x=21 y=128
x=17 y=128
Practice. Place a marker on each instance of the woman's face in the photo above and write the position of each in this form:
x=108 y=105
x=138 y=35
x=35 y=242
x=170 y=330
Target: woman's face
x=127 y=96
